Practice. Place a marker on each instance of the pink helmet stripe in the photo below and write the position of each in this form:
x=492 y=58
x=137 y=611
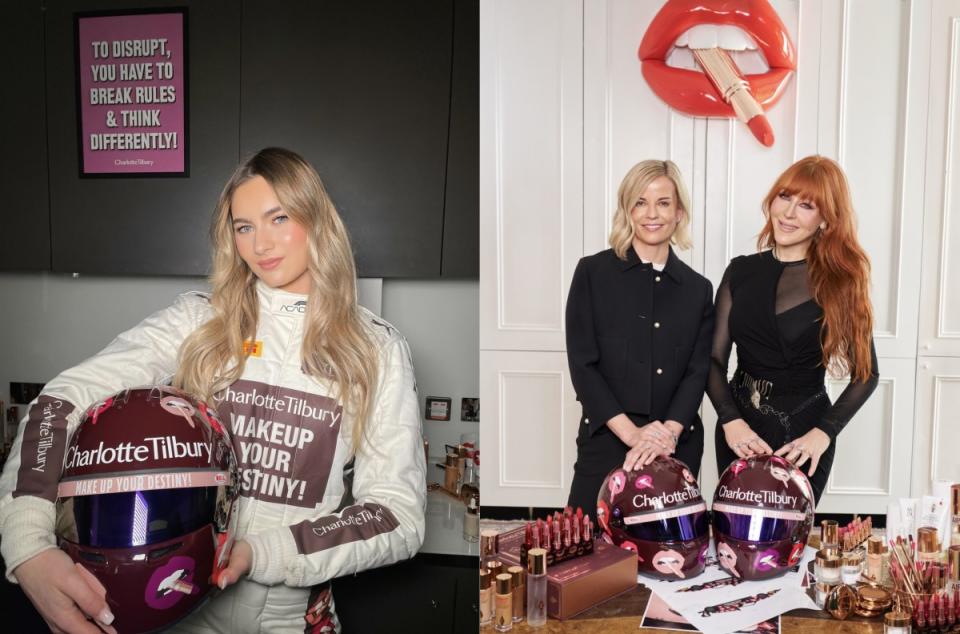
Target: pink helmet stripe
x=143 y=482
x=641 y=518
x=798 y=516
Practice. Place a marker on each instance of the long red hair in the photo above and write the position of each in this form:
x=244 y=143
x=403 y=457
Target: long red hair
x=838 y=266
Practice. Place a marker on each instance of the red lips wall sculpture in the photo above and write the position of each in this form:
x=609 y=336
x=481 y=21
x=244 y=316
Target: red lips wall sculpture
x=721 y=90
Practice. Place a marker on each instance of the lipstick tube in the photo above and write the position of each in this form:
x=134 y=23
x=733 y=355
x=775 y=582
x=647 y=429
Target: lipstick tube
x=735 y=90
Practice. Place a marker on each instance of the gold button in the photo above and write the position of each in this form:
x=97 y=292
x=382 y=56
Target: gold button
x=659 y=371
x=656 y=324
x=656 y=279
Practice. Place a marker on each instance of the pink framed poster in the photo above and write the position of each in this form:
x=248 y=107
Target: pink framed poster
x=132 y=93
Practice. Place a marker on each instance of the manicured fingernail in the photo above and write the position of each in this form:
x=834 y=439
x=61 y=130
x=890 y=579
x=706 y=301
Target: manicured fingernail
x=106 y=616
x=223 y=582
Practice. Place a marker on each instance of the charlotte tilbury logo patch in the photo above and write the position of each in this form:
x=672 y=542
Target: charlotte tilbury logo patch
x=41 y=452
x=253 y=348
x=355 y=523
x=284 y=439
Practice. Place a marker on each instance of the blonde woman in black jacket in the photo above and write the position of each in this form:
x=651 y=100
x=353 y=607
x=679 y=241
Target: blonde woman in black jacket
x=639 y=330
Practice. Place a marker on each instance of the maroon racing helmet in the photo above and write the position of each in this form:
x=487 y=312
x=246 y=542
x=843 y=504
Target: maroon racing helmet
x=762 y=514
x=147 y=502
x=657 y=512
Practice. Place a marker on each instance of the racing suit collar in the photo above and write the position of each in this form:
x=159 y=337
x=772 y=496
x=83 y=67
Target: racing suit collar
x=281 y=302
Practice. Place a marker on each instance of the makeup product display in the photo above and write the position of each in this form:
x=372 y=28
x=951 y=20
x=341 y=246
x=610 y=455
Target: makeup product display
x=486 y=599
x=536 y=587
x=503 y=615
x=519 y=585
x=657 y=513
x=855 y=533
x=574 y=531
x=762 y=515
x=578 y=584
x=924 y=587
x=827 y=568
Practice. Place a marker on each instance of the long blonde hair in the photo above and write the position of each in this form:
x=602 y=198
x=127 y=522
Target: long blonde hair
x=631 y=188
x=336 y=346
x=838 y=266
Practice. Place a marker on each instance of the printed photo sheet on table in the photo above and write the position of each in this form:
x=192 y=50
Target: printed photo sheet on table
x=714 y=603
x=659 y=616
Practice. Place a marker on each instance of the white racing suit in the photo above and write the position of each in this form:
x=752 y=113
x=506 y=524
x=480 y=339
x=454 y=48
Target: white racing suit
x=309 y=510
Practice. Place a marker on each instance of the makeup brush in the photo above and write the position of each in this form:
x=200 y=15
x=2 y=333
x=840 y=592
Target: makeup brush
x=735 y=90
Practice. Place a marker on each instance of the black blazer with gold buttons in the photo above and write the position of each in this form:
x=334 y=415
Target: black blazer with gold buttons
x=638 y=339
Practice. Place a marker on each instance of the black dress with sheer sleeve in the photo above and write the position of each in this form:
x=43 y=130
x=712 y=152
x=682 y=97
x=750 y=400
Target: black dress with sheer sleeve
x=766 y=307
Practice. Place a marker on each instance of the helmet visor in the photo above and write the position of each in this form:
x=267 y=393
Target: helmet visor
x=158 y=507
x=680 y=524
x=137 y=518
x=756 y=524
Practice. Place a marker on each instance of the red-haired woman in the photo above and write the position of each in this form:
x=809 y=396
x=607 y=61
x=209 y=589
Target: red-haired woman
x=796 y=309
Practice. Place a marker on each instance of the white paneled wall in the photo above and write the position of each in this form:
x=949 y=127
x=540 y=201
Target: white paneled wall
x=565 y=112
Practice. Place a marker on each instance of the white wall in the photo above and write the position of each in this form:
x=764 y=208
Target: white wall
x=440 y=320
x=50 y=322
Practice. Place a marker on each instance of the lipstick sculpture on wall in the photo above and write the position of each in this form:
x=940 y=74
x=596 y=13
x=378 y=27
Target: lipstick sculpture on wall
x=711 y=29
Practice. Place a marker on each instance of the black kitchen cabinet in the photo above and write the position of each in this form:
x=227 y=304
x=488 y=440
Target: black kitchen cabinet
x=429 y=593
x=25 y=220
x=361 y=90
x=461 y=208
x=144 y=226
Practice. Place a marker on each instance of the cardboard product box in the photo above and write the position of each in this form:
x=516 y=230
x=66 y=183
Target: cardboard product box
x=579 y=584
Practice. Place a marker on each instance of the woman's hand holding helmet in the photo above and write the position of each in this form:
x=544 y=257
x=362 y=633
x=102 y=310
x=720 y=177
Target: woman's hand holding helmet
x=810 y=446
x=649 y=441
x=63 y=596
x=743 y=441
x=241 y=561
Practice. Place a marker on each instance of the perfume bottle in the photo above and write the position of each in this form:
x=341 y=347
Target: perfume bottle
x=486 y=599
x=537 y=587
x=471 y=521
x=489 y=546
x=519 y=585
x=503 y=619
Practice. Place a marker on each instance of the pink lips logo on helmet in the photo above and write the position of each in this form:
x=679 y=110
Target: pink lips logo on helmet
x=727 y=559
x=616 y=483
x=767 y=560
x=669 y=562
x=643 y=482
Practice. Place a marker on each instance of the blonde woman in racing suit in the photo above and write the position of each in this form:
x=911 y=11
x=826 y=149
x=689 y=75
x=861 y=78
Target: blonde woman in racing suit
x=319 y=395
